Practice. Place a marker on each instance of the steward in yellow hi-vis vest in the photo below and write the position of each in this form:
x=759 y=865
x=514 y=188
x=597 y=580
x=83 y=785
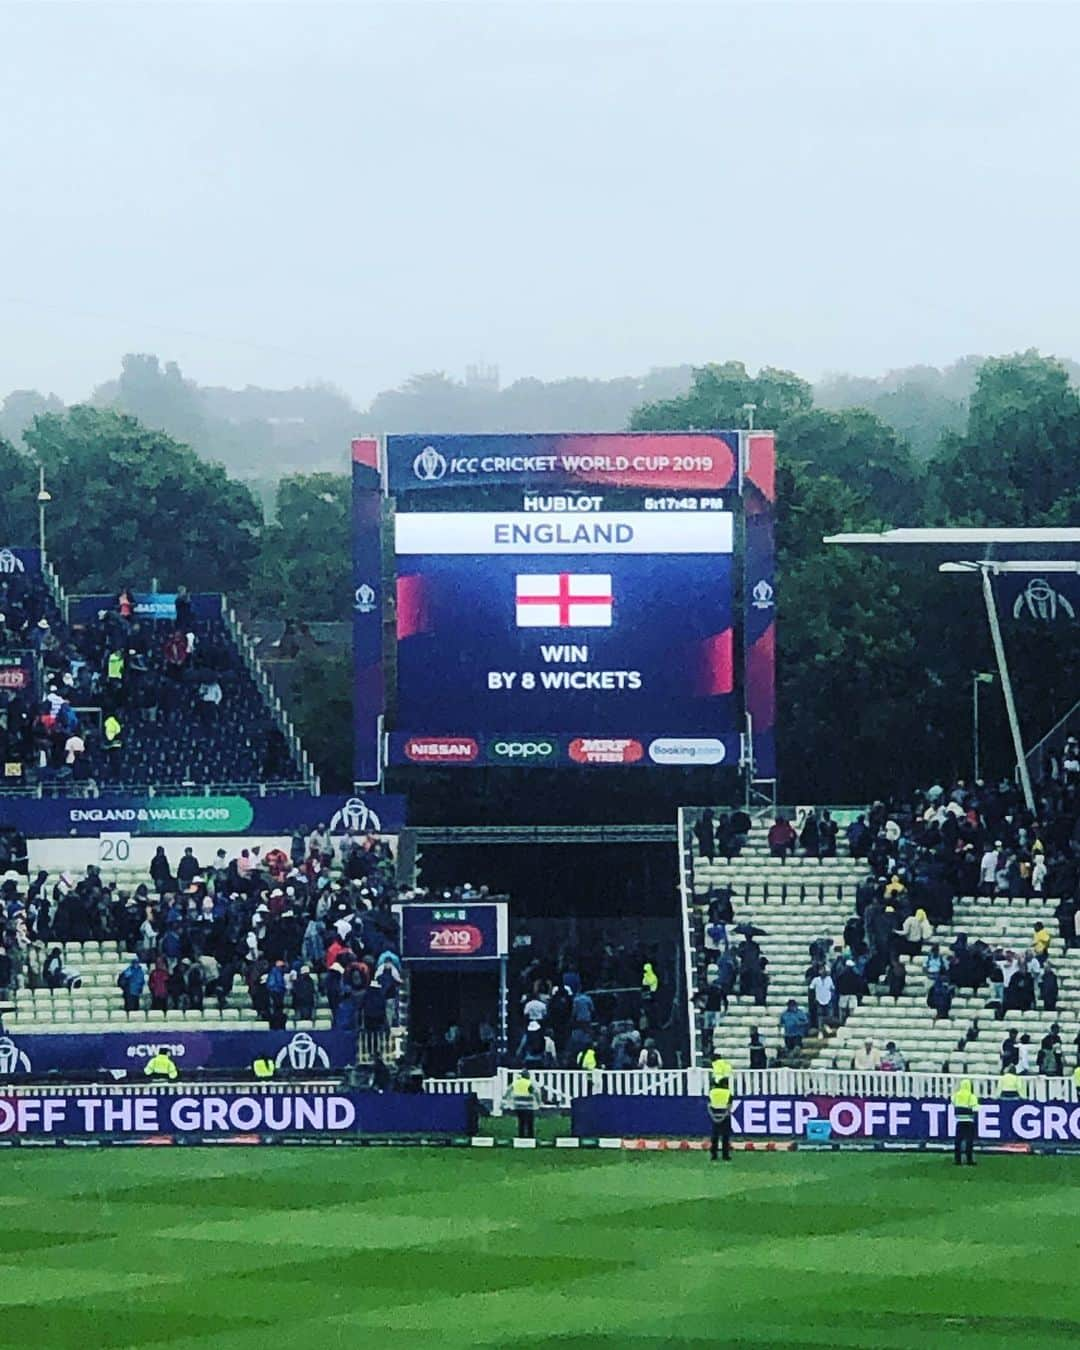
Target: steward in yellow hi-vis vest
x=720 y=1068
x=524 y=1100
x=162 y=1065
x=720 y=1101
x=263 y=1068
x=1010 y=1085
x=966 y=1107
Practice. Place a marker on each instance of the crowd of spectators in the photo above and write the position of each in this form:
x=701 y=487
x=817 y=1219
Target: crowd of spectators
x=126 y=698
x=296 y=931
x=603 y=1009
x=920 y=855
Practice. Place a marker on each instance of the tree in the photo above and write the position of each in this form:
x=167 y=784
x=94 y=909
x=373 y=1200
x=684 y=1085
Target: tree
x=718 y=398
x=434 y=401
x=1018 y=463
x=159 y=398
x=18 y=492
x=856 y=447
x=920 y=403
x=845 y=636
x=21 y=407
x=304 y=568
x=846 y=639
x=321 y=708
x=130 y=504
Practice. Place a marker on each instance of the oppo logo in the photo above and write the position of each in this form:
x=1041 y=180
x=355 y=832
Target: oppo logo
x=523 y=751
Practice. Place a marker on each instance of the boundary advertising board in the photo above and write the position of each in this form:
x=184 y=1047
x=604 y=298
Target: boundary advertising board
x=849 y=1118
x=149 y=1115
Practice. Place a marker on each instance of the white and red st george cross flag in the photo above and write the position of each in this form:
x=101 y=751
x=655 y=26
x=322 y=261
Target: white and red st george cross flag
x=563 y=600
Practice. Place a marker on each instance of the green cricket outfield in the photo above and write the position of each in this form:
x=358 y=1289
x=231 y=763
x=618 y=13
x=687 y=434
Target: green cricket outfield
x=259 y=1248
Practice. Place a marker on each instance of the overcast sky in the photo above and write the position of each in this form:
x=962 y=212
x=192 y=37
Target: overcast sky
x=275 y=193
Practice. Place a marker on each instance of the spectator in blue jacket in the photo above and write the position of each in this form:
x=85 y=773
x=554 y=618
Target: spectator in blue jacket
x=132 y=982
x=584 y=1011
x=794 y=1024
x=345 y=1015
x=940 y=995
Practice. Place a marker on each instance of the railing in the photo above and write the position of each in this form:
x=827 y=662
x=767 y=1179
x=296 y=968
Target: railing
x=160 y=1088
x=56 y=590
x=92 y=789
x=257 y=671
x=873 y=1083
x=1060 y=726
x=428 y=835
x=559 y=1087
x=686 y=867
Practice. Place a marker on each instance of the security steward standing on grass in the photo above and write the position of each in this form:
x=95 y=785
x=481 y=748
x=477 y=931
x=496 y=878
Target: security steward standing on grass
x=162 y=1066
x=524 y=1100
x=966 y=1106
x=720 y=1099
x=264 y=1067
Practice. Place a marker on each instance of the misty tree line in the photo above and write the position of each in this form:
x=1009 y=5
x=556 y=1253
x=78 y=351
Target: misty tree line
x=875 y=656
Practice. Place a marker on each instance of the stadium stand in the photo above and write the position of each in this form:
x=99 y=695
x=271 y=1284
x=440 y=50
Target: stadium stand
x=862 y=922
x=304 y=941
x=123 y=699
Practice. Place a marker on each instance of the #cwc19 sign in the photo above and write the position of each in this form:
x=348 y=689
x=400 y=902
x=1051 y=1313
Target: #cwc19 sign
x=454 y=933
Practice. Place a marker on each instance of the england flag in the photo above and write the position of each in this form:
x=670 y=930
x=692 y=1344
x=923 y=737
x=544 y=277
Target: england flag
x=563 y=600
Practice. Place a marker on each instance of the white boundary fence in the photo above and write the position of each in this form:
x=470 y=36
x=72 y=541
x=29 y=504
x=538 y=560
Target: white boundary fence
x=559 y=1087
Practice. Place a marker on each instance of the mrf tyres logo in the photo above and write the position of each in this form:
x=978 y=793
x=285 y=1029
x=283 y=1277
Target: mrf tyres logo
x=609 y=750
x=539 y=750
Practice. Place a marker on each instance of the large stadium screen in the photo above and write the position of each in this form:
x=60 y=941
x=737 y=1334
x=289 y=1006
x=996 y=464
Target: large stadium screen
x=566 y=599
x=567 y=631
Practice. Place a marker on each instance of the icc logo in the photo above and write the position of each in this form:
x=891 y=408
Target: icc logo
x=762 y=596
x=9 y=562
x=302 y=1053
x=355 y=817
x=429 y=466
x=364 y=599
x=1041 y=601
x=12 y=1059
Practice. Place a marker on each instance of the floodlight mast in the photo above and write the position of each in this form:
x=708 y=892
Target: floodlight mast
x=980 y=535
x=985 y=571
